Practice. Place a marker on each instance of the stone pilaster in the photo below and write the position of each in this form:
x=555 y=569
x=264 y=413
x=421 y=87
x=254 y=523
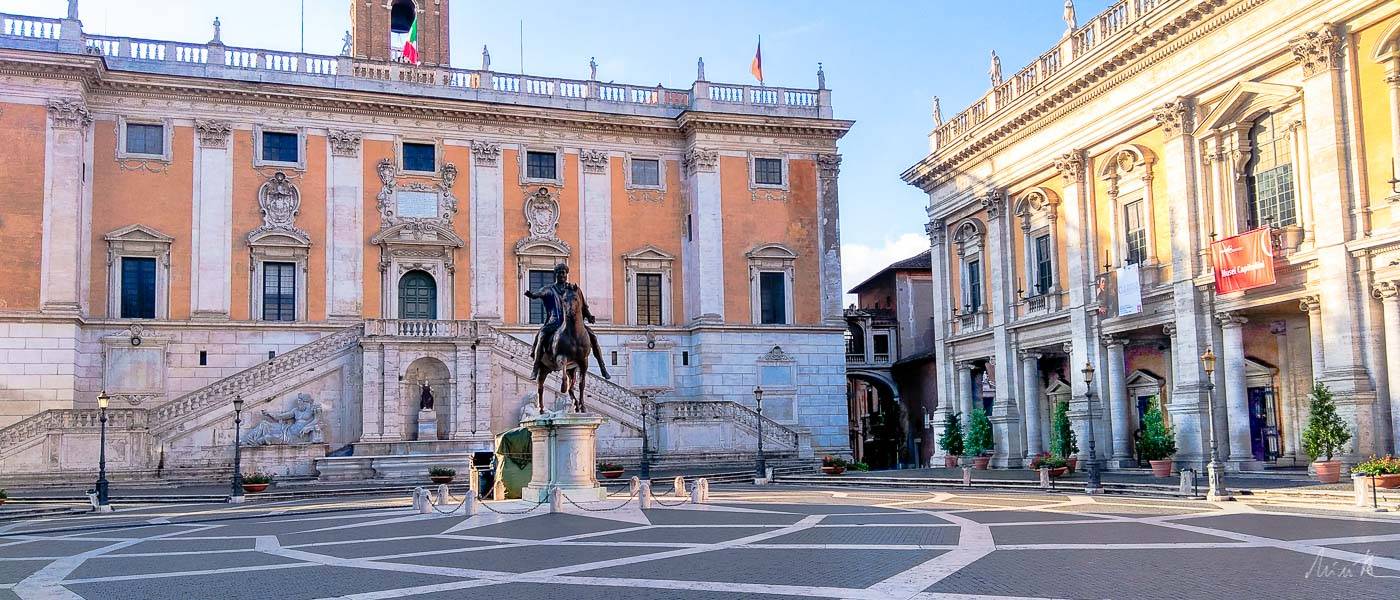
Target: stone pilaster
x=829 y=237
x=1389 y=295
x=703 y=256
x=1033 y=392
x=344 y=224
x=488 y=232
x=67 y=209
x=596 y=260
x=211 y=237
x=945 y=391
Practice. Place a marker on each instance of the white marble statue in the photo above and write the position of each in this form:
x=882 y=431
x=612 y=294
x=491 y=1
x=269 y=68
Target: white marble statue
x=1070 y=20
x=299 y=426
x=995 y=70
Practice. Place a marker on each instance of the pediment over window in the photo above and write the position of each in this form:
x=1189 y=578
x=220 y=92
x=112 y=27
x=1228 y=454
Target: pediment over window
x=1057 y=387
x=1127 y=160
x=1245 y=102
x=137 y=233
x=771 y=251
x=542 y=247
x=648 y=253
x=1389 y=46
x=1036 y=206
x=968 y=231
x=296 y=239
x=418 y=232
x=1142 y=378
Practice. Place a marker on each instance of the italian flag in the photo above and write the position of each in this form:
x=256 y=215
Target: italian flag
x=410 y=48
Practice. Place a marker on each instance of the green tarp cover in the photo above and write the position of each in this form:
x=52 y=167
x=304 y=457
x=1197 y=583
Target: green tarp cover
x=513 y=460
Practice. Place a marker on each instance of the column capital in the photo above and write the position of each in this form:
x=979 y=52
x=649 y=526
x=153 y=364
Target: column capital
x=1169 y=330
x=965 y=365
x=1393 y=79
x=344 y=143
x=1176 y=117
x=1386 y=291
x=485 y=153
x=1111 y=340
x=828 y=166
x=993 y=201
x=1068 y=347
x=1318 y=51
x=69 y=113
x=213 y=133
x=593 y=161
x=936 y=231
x=1030 y=355
x=1230 y=320
x=700 y=160
x=1310 y=304
x=1071 y=166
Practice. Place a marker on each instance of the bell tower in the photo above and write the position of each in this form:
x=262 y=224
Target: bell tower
x=379 y=29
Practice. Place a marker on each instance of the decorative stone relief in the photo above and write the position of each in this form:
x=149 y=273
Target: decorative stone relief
x=1071 y=167
x=299 y=425
x=344 y=143
x=388 y=198
x=776 y=355
x=1175 y=116
x=69 y=113
x=280 y=203
x=828 y=165
x=936 y=231
x=645 y=196
x=486 y=154
x=993 y=202
x=593 y=161
x=768 y=195
x=700 y=160
x=542 y=216
x=1318 y=50
x=213 y=134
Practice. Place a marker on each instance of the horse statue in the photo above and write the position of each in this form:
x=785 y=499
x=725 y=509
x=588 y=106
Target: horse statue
x=567 y=349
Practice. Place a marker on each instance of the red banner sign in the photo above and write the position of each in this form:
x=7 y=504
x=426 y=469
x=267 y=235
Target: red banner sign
x=1243 y=262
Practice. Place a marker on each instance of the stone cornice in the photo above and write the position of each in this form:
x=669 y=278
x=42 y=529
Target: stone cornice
x=1084 y=83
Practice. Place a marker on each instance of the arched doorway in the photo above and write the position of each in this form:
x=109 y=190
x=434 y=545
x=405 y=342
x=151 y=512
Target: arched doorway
x=417 y=296
x=879 y=429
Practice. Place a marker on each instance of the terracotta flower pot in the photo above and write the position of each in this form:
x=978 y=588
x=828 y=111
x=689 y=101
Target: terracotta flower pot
x=1073 y=463
x=611 y=474
x=1328 y=471
x=1059 y=471
x=1385 y=482
x=254 y=488
x=980 y=462
x=950 y=462
x=441 y=478
x=1161 y=468
x=833 y=470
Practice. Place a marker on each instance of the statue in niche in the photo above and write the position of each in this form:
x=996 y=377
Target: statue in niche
x=298 y=426
x=425 y=397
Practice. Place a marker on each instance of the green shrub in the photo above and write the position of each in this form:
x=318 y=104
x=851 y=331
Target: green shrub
x=1388 y=465
x=979 y=434
x=1326 y=433
x=3 y=496
x=1062 y=438
x=832 y=461
x=1052 y=462
x=1157 y=441
x=442 y=472
x=859 y=466
x=256 y=478
x=951 y=440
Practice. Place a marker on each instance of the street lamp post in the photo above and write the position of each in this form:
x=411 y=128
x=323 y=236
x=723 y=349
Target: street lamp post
x=644 y=472
x=1215 y=472
x=760 y=465
x=103 y=503
x=236 y=486
x=1093 y=485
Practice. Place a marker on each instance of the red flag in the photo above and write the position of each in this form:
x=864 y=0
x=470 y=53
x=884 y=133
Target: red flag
x=410 y=47
x=757 y=66
x=1244 y=261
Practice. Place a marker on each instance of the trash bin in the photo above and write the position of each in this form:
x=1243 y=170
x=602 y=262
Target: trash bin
x=485 y=464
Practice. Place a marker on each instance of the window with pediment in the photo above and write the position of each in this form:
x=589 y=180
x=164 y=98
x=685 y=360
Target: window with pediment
x=1036 y=210
x=771 y=272
x=416 y=212
x=1269 y=174
x=968 y=238
x=648 y=275
x=138 y=273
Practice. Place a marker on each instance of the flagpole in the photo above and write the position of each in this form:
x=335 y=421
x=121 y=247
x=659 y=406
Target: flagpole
x=303 y=26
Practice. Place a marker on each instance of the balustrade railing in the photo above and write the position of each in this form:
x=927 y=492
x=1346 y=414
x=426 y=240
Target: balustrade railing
x=31 y=27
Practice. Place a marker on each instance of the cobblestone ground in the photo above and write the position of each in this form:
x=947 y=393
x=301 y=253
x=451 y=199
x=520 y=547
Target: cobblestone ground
x=746 y=543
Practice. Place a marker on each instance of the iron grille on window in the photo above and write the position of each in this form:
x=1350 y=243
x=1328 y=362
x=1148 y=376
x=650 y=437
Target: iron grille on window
x=279 y=291
x=538 y=279
x=648 y=299
x=419 y=157
x=646 y=172
x=142 y=138
x=138 y=288
x=540 y=165
x=768 y=171
x=280 y=147
x=772 y=298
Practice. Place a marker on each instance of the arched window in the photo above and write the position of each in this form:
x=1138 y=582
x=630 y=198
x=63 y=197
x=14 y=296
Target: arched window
x=1269 y=174
x=401 y=16
x=417 y=296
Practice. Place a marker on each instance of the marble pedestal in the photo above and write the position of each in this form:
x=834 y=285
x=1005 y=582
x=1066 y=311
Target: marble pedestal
x=562 y=455
x=427 y=425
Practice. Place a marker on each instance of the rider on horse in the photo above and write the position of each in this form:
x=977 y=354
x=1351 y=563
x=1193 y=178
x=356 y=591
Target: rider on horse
x=550 y=296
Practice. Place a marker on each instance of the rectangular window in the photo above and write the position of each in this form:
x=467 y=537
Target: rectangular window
x=974 y=286
x=1134 y=232
x=768 y=171
x=1271 y=198
x=772 y=298
x=1044 y=271
x=882 y=346
x=541 y=165
x=279 y=291
x=145 y=138
x=279 y=146
x=419 y=157
x=138 y=287
x=648 y=298
x=646 y=172
x=538 y=279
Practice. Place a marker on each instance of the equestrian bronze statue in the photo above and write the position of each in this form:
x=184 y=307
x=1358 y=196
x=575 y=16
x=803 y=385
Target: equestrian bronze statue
x=564 y=341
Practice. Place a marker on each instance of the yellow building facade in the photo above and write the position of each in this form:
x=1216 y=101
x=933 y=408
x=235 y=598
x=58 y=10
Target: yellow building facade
x=1072 y=210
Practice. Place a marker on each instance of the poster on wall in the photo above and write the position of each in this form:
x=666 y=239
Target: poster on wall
x=1129 y=290
x=1243 y=262
x=1106 y=294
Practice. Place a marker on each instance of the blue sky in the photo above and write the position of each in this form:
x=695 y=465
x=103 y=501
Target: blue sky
x=884 y=59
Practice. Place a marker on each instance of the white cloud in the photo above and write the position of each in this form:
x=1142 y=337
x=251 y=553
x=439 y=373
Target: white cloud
x=859 y=261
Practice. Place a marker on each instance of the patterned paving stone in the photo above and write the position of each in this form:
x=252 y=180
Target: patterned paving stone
x=1098 y=533
x=685 y=535
x=388 y=547
x=537 y=591
x=1385 y=549
x=104 y=566
x=1159 y=575
x=1284 y=527
x=431 y=526
x=303 y=583
x=812 y=509
x=885 y=536
x=8 y=595
x=12 y=571
x=716 y=517
x=49 y=548
x=1017 y=516
x=546 y=526
x=521 y=559
x=184 y=545
x=906 y=518
x=838 y=568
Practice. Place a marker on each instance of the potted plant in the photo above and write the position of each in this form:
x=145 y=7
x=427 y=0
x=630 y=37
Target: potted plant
x=441 y=474
x=1385 y=471
x=254 y=483
x=860 y=466
x=979 y=438
x=1157 y=443
x=951 y=440
x=1062 y=439
x=1325 y=435
x=610 y=470
x=3 y=496
x=832 y=465
x=1057 y=464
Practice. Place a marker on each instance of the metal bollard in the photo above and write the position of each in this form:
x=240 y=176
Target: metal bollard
x=556 y=500
x=469 y=505
x=1044 y=477
x=679 y=485
x=644 y=494
x=967 y=476
x=442 y=494
x=632 y=486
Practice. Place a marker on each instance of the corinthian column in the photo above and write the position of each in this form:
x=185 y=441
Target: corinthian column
x=1118 y=403
x=1236 y=392
x=1389 y=294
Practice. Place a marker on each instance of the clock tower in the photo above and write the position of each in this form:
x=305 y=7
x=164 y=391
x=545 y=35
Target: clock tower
x=379 y=29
